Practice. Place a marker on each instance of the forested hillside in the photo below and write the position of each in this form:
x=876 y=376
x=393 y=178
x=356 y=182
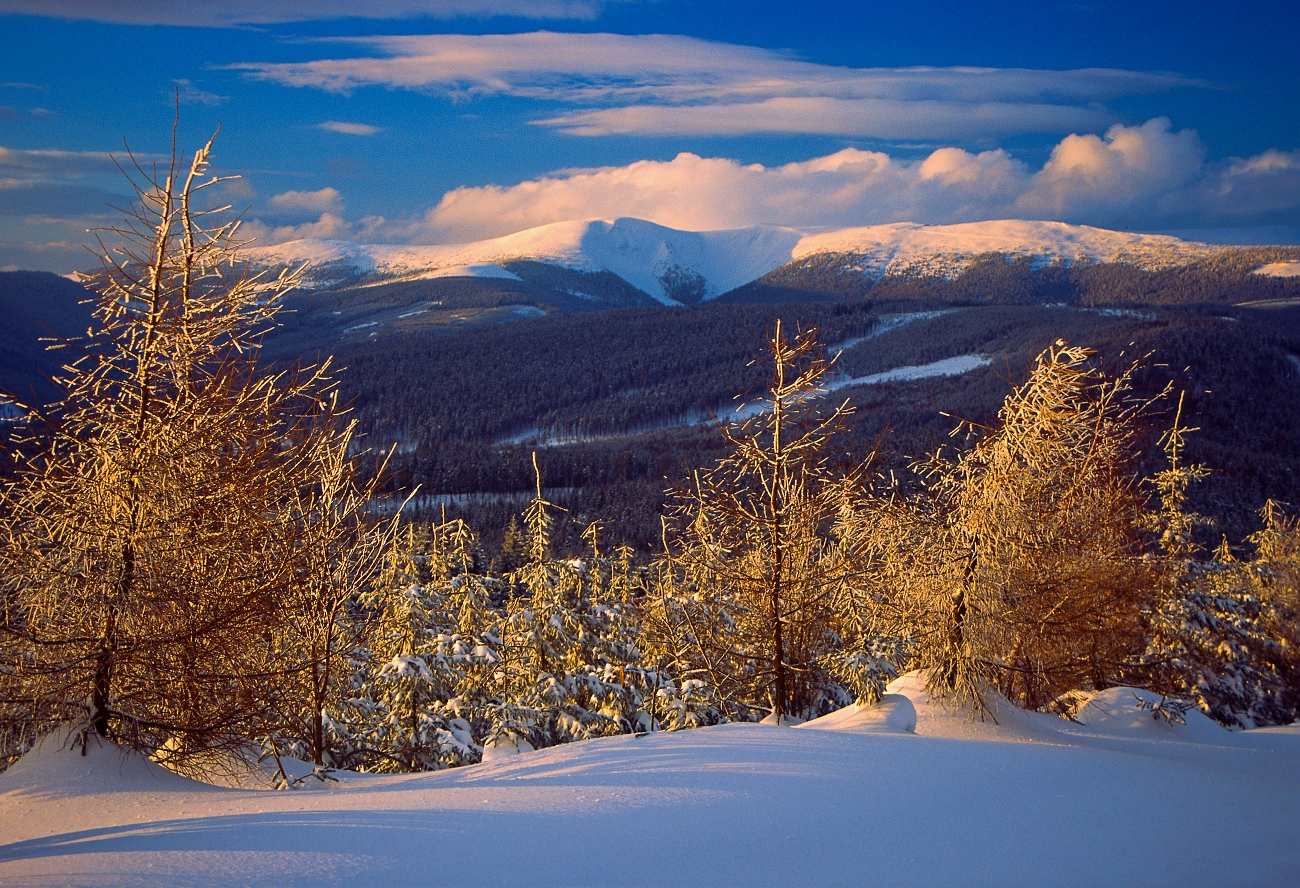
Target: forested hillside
x=467 y=377
x=1226 y=278
x=36 y=306
x=619 y=403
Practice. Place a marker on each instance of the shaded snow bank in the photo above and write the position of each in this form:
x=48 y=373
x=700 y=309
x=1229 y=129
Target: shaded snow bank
x=66 y=764
x=894 y=714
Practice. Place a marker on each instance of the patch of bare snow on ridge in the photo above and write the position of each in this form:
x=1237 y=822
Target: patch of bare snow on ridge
x=1279 y=269
x=476 y=270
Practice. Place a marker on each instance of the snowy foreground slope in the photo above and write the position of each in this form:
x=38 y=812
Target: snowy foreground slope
x=852 y=799
x=656 y=259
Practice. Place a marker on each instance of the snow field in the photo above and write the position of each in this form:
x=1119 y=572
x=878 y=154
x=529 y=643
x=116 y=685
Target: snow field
x=850 y=799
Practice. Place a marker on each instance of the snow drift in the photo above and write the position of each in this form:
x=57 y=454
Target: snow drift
x=850 y=799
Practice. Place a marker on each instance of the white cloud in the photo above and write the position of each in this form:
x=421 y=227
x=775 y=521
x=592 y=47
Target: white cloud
x=329 y=226
x=819 y=115
x=229 y=13
x=350 y=129
x=325 y=200
x=1144 y=176
x=1129 y=165
x=659 y=84
x=30 y=163
x=189 y=94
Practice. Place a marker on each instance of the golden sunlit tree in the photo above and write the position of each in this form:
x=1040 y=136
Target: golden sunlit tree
x=154 y=529
x=1019 y=566
x=752 y=570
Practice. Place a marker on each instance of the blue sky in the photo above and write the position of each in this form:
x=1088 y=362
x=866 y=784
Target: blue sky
x=450 y=120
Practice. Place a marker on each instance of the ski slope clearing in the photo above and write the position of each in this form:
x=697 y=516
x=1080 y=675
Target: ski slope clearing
x=855 y=798
x=1280 y=269
x=957 y=366
x=947 y=367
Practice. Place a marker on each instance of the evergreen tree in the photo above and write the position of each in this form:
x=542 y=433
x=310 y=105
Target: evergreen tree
x=1210 y=639
x=416 y=702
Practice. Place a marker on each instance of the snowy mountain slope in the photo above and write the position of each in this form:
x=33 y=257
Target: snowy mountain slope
x=853 y=799
x=945 y=250
x=671 y=266
x=676 y=267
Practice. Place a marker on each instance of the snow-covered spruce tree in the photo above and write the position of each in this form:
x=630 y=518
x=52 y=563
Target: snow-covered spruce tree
x=751 y=564
x=563 y=668
x=690 y=674
x=417 y=702
x=1277 y=566
x=613 y=672
x=144 y=546
x=1019 y=566
x=1210 y=639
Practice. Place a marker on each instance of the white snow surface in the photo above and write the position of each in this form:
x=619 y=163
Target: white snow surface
x=647 y=255
x=850 y=799
x=483 y=269
x=1280 y=269
x=947 y=367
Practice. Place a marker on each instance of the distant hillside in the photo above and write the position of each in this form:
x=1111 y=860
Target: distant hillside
x=618 y=403
x=1226 y=276
x=36 y=305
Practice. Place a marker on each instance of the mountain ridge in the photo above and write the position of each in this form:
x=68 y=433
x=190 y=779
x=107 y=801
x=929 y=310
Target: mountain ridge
x=674 y=267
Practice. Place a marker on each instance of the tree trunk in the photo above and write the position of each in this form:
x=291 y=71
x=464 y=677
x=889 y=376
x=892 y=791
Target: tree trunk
x=777 y=506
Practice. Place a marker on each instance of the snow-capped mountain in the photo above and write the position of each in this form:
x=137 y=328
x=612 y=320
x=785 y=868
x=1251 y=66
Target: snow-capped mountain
x=674 y=266
x=946 y=250
x=670 y=266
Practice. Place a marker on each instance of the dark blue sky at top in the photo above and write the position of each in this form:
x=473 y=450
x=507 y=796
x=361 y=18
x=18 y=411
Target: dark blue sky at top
x=83 y=86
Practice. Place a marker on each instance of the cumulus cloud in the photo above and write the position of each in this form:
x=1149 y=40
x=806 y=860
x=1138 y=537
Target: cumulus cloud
x=662 y=84
x=325 y=200
x=229 y=13
x=1129 y=164
x=1144 y=176
x=350 y=129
